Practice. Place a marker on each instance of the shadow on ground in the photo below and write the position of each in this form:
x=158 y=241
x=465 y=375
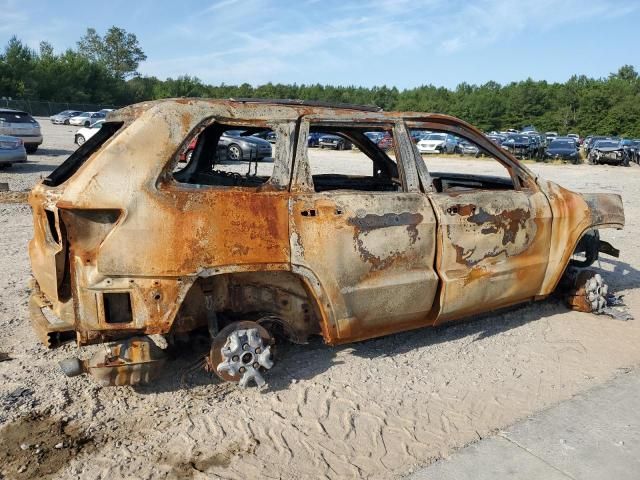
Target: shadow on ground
x=32 y=167
x=54 y=151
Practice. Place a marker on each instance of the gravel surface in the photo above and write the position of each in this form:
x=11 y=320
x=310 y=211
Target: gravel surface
x=374 y=409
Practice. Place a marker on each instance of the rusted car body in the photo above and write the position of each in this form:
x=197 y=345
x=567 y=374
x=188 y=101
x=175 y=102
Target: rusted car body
x=125 y=245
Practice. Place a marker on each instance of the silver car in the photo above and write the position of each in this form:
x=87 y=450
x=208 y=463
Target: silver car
x=11 y=151
x=62 y=118
x=22 y=125
x=235 y=146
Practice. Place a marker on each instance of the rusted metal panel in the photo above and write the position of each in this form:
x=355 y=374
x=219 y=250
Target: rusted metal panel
x=493 y=251
x=572 y=217
x=373 y=254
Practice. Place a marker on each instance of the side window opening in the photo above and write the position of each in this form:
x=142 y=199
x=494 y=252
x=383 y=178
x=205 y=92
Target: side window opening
x=348 y=158
x=228 y=155
x=456 y=163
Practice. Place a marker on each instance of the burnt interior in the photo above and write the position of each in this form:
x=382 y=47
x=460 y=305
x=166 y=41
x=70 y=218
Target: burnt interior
x=451 y=182
x=210 y=158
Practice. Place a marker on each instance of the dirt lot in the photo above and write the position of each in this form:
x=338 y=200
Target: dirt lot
x=375 y=409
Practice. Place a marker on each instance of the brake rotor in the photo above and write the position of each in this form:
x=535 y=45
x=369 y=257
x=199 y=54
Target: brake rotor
x=240 y=351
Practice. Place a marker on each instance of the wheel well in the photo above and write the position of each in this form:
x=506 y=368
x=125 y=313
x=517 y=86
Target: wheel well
x=280 y=298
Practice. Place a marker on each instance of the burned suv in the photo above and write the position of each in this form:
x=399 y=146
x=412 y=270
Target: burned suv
x=129 y=243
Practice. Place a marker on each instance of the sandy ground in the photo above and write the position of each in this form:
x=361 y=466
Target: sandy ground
x=375 y=409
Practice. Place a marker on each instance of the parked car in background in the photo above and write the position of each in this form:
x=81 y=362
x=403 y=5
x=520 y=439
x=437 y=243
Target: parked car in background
x=551 y=136
x=313 y=140
x=86 y=133
x=236 y=145
x=335 y=142
x=374 y=136
x=11 y=151
x=519 y=145
x=467 y=148
x=267 y=135
x=21 y=125
x=86 y=118
x=563 y=149
x=628 y=145
x=417 y=135
x=497 y=138
x=438 y=143
x=537 y=149
x=595 y=139
x=386 y=142
x=62 y=118
x=105 y=110
x=610 y=152
x=576 y=137
x=635 y=151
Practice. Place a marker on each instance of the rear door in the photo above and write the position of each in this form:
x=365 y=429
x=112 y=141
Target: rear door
x=365 y=240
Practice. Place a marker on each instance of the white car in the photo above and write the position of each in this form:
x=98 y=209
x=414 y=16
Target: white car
x=86 y=133
x=437 y=143
x=86 y=118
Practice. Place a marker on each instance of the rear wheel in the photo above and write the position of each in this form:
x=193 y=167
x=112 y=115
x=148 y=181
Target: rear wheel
x=240 y=352
x=80 y=140
x=31 y=148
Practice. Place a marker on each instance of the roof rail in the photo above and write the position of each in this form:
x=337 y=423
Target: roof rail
x=310 y=103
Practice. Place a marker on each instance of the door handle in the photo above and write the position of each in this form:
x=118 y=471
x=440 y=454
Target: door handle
x=465 y=210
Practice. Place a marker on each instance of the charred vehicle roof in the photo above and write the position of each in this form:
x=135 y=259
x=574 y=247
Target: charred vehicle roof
x=129 y=242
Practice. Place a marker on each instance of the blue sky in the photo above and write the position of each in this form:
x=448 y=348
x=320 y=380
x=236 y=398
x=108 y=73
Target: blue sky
x=403 y=43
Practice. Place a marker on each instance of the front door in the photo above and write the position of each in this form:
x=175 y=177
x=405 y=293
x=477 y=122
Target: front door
x=494 y=248
x=494 y=226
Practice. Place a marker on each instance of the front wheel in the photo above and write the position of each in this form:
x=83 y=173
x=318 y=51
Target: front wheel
x=87 y=124
x=80 y=140
x=31 y=148
x=66 y=122
x=234 y=153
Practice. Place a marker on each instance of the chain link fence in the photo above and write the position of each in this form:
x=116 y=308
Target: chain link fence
x=40 y=108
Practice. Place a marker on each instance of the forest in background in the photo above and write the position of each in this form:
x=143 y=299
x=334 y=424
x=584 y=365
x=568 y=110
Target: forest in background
x=103 y=69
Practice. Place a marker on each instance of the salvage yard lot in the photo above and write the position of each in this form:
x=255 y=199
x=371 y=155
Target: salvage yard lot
x=374 y=409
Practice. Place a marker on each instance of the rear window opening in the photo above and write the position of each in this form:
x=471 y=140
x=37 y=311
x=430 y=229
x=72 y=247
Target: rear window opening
x=228 y=155
x=81 y=155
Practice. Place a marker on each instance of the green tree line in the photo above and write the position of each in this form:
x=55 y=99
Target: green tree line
x=103 y=70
